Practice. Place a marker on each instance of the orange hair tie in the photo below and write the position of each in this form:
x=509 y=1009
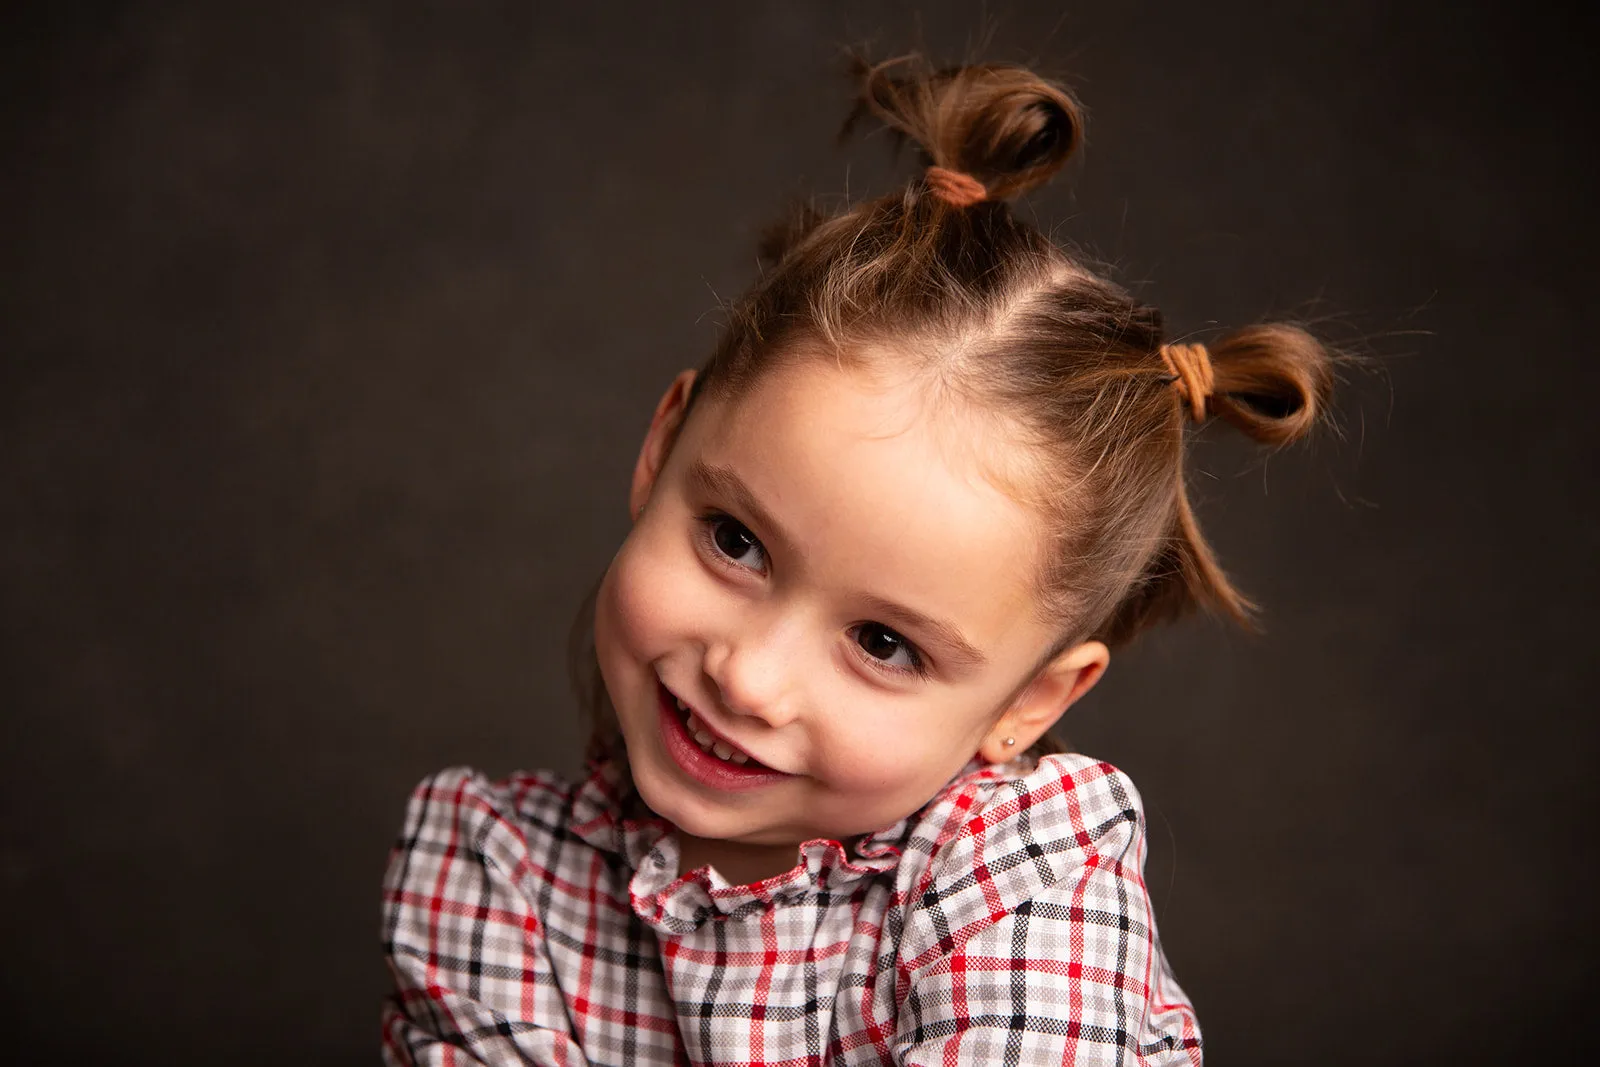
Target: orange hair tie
x=1192 y=375
x=955 y=188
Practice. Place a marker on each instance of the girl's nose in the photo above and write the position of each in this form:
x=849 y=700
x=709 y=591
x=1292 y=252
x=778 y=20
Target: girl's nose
x=754 y=673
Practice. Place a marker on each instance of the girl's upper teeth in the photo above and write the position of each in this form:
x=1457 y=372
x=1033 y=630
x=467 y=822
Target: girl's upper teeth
x=706 y=740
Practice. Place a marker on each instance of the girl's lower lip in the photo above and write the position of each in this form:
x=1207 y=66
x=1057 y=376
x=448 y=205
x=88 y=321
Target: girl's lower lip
x=701 y=765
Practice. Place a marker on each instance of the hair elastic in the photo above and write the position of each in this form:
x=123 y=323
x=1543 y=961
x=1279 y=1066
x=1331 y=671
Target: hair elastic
x=955 y=188
x=1191 y=375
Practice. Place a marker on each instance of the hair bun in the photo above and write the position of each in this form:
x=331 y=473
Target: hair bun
x=1003 y=125
x=1273 y=382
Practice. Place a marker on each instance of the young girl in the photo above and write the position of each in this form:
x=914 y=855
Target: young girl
x=882 y=540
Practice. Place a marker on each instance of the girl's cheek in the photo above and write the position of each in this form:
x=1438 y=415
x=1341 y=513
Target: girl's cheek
x=645 y=591
x=890 y=749
x=871 y=748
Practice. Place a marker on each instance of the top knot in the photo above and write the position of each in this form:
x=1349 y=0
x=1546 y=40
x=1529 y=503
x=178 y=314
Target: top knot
x=998 y=128
x=956 y=189
x=1192 y=375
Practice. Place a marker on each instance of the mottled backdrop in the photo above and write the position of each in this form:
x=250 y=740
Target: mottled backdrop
x=330 y=330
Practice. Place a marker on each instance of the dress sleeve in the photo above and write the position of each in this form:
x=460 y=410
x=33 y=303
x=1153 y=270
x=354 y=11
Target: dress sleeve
x=472 y=973
x=1031 y=940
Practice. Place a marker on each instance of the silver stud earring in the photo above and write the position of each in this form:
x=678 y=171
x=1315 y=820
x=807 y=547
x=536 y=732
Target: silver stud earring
x=1010 y=741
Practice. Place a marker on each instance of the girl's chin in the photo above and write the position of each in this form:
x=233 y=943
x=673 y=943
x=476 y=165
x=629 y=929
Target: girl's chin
x=674 y=802
x=694 y=815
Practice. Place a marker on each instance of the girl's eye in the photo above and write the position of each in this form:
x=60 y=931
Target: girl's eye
x=888 y=648
x=734 y=540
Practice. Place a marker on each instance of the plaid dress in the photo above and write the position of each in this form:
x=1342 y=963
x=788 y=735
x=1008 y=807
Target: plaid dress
x=526 y=921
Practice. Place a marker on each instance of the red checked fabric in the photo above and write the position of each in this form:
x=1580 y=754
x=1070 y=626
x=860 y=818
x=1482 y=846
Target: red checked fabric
x=526 y=921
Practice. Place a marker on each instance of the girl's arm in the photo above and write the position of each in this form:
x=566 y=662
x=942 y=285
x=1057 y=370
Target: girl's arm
x=473 y=980
x=1033 y=940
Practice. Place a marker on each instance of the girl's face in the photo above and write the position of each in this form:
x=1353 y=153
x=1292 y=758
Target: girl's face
x=829 y=583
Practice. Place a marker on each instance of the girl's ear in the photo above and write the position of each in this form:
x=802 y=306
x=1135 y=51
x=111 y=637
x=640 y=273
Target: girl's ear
x=1046 y=699
x=664 y=426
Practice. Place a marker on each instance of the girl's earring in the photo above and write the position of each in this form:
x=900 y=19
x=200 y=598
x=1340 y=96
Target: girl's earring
x=1010 y=742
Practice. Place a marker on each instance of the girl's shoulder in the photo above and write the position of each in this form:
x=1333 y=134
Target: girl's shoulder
x=498 y=817
x=1006 y=830
x=533 y=797
x=506 y=819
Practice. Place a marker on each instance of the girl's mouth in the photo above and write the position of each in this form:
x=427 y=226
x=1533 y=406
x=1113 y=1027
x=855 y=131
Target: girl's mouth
x=704 y=756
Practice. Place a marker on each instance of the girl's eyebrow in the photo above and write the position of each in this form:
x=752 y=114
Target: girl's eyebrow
x=708 y=479
x=957 y=651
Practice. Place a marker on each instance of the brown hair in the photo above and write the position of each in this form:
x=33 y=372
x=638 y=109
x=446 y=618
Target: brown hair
x=994 y=314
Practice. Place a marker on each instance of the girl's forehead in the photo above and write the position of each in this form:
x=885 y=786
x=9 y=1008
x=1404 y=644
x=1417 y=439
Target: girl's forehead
x=879 y=484
x=922 y=421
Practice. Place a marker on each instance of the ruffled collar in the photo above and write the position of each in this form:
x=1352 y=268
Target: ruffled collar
x=606 y=816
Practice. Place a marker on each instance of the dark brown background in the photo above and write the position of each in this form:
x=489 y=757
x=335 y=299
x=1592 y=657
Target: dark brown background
x=330 y=332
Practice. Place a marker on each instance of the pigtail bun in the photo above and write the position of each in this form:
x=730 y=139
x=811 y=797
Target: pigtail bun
x=1271 y=382
x=1004 y=126
x=1274 y=383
